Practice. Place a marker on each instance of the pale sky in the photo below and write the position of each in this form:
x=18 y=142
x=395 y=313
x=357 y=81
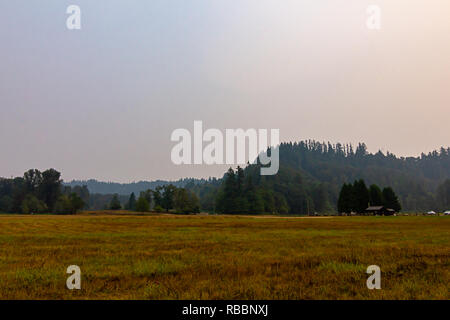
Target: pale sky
x=102 y=102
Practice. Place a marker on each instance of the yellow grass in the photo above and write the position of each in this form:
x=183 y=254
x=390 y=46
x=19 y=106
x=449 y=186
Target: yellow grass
x=223 y=257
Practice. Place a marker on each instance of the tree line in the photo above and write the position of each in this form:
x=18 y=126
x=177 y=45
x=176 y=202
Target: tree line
x=415 y=179
x=167 y=198
x=44 y=192
x=312 y=174
x=357 y=198
x=40 y=192
x=443 y=195
x=310 y=180
x=245 y=191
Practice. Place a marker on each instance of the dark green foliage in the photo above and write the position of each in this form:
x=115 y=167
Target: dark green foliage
x=168 y=195
x=361 y=196
x=142 y=204
x=99 y=187
x=40 y=192
x=390 y=199
x=102 y=201
x=309 y=180
x=321 y=197
x=375 y=195
x=115 y=203
x=32 y=181
x=169 y=198
x=280 y=204
x=356 y=198
x=157 y=197
x=31 y=204
x=148 y=194
x=312 y=173
x=443 y=195
x=18 y=194
x=185 y=201
x=6 y=204
x=76 y=202
x=131 y=204
x=63 y=205
x=68 y=204
x=346 y=201
x=83 y=193
x=50 y=188
x=226 y=201
x=254 y=202
x=239 y=194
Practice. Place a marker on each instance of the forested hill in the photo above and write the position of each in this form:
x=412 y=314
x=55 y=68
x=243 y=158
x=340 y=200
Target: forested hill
x=311 y=175
x=415 y=179
x=319 y=159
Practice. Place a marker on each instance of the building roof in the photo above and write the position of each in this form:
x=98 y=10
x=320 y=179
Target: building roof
x=375 y=208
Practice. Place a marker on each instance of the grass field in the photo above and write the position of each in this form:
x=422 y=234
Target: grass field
x=223 y=257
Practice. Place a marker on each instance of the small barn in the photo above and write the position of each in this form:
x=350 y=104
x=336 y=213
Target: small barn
x=380 y=210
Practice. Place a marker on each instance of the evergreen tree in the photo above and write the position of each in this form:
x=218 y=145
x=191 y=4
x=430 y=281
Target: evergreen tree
x=239 y=180
x=131 y=205
x=391 y=200
x=254 y=203
x=281 y=205
x=361 y=194
x=226 y=200
x=443 y=195
x=345 y=201
x=376 y=196
x=320 y=197
x=115 y=203
x=240 y=200
x=157 y=196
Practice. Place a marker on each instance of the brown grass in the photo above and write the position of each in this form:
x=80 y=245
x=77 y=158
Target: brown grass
x=223 y=257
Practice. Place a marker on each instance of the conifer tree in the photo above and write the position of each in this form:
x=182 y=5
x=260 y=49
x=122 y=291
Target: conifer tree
x=376 y=197
x=391 y=200
x=131 y=205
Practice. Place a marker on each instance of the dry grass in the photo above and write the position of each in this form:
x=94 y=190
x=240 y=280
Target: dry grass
x=223 y=257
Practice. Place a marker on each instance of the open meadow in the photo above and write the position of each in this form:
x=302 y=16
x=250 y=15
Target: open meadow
x=223 y=257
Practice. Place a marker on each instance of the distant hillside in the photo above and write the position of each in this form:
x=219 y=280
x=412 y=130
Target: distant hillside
x=99 y=187
x=312 y=173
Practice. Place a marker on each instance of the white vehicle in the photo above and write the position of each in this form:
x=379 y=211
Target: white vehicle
x=431 y=213
x=447 y=213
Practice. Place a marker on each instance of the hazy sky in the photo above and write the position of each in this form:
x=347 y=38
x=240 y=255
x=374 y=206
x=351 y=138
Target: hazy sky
x=101 y=102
